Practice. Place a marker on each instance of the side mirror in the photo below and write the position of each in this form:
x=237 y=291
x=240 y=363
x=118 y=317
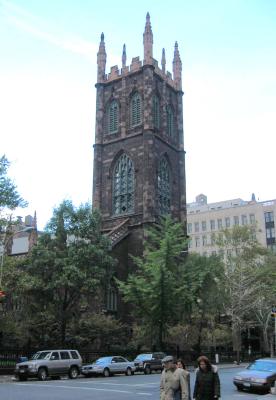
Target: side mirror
x=113 y=362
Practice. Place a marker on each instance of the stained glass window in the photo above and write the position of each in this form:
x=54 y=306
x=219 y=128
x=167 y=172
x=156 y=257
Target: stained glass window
x=135 y=105
x=164 y=187
x=170 y=122
x=113 y=112
x=156 y=112
x=123 y=186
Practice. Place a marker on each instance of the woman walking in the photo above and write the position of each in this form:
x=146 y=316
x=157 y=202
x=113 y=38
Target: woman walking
x=183 y=393
x=207 y=384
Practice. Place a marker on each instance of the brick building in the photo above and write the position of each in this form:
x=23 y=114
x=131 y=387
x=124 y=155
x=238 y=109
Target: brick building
x=139 y=158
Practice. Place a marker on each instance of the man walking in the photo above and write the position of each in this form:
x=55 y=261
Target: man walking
x=169 y=380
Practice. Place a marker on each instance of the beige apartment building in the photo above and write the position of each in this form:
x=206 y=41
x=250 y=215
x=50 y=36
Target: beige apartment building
x=205 y=221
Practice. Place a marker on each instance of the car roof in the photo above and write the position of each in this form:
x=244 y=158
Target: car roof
x=41 y=351
x=266 y=359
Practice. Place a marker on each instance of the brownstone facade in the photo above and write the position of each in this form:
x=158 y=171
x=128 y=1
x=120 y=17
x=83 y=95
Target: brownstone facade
x=145 y=143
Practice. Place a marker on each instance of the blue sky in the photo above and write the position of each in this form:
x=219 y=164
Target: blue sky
x=47 y=95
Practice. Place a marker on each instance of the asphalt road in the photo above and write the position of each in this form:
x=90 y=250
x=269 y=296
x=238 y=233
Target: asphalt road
x=137 y=387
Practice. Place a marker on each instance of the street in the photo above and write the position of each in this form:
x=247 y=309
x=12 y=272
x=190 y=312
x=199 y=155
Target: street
x=120 y=387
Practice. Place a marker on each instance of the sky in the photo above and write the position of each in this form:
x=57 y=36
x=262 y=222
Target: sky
x=48 y=71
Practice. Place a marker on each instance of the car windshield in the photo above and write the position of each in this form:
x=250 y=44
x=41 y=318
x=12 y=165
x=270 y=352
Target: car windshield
x=144 y=357
x=263 y=366
x=41 y=355
x=103 y=360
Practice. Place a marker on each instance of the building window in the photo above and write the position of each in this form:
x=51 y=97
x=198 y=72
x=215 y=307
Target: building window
x=164 y=187
x=196 y=227
x=170 y=124
x=252 y=219
x=204 y=240
x=213 y=239
x=227 y=222
x=270 y=233
x=113 y=112
x=203 y=226
x=236 y=220
x=219 y=223
x=190 y=227
x=244 y=219
x=112 y=300
x=190 y=243
x=156 y=112
x=136 y=105
x=214 y=253
x=123 y=186
x=197 y=242
x=212 y=225
x=269 y=217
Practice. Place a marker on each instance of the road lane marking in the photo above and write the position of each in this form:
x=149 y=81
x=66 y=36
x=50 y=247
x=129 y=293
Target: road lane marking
x=75 y=387
x=122 y=384
x=84 y=388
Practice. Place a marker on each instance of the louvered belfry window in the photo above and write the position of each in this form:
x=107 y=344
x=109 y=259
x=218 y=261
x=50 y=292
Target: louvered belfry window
x=113 y=112
x=170 y=122
x=164 y=187
x=156 y=112
x=123 y=186
x=135 y=105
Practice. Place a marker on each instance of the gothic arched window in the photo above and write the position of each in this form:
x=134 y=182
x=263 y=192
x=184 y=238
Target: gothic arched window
x=156 y=112
x=164 y=187
x=135 y=109
x=112 y=299
x=170 y=121
x=112 y=117
x=123 y=186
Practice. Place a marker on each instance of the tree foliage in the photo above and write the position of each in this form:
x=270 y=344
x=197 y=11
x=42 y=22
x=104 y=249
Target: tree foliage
x=66 y=273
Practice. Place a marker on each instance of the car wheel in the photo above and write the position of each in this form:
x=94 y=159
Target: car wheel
x=240 y=389
x=128 y=371
x=42 y=374
x=106 y=373
x=147 y=370
x=73 y=373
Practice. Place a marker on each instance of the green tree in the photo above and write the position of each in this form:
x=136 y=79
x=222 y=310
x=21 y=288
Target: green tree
x=67 y=272
x=9 y=196
x=152 y=287
x=200 y=294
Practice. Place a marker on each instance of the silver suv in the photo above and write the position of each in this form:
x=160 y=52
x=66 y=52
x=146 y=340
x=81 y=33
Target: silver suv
x=50 y=363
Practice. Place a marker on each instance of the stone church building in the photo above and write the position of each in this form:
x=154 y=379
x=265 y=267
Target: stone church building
x=139 y=157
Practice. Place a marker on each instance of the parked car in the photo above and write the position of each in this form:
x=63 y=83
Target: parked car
x=149 y=362
x=107 y=366
x=260 y=375
x=50 y=363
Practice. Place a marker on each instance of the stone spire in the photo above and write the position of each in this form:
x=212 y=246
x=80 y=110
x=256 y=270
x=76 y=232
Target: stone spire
x=124 y=57
x=177 y=67
x=33 y=234
x=101 y=60
x=148 y=41
x=163 y=61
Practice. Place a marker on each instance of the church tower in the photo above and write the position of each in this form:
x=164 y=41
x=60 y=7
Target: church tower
x=139 y=157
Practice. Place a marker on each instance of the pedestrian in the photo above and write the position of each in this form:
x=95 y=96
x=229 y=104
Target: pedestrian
x=207 y=383
x=170 y=381
x=183 y=393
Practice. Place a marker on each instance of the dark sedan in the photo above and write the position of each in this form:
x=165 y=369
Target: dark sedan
x=260 y=375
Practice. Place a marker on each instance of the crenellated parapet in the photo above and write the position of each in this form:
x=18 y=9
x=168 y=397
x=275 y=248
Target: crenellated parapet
x=175 y=80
